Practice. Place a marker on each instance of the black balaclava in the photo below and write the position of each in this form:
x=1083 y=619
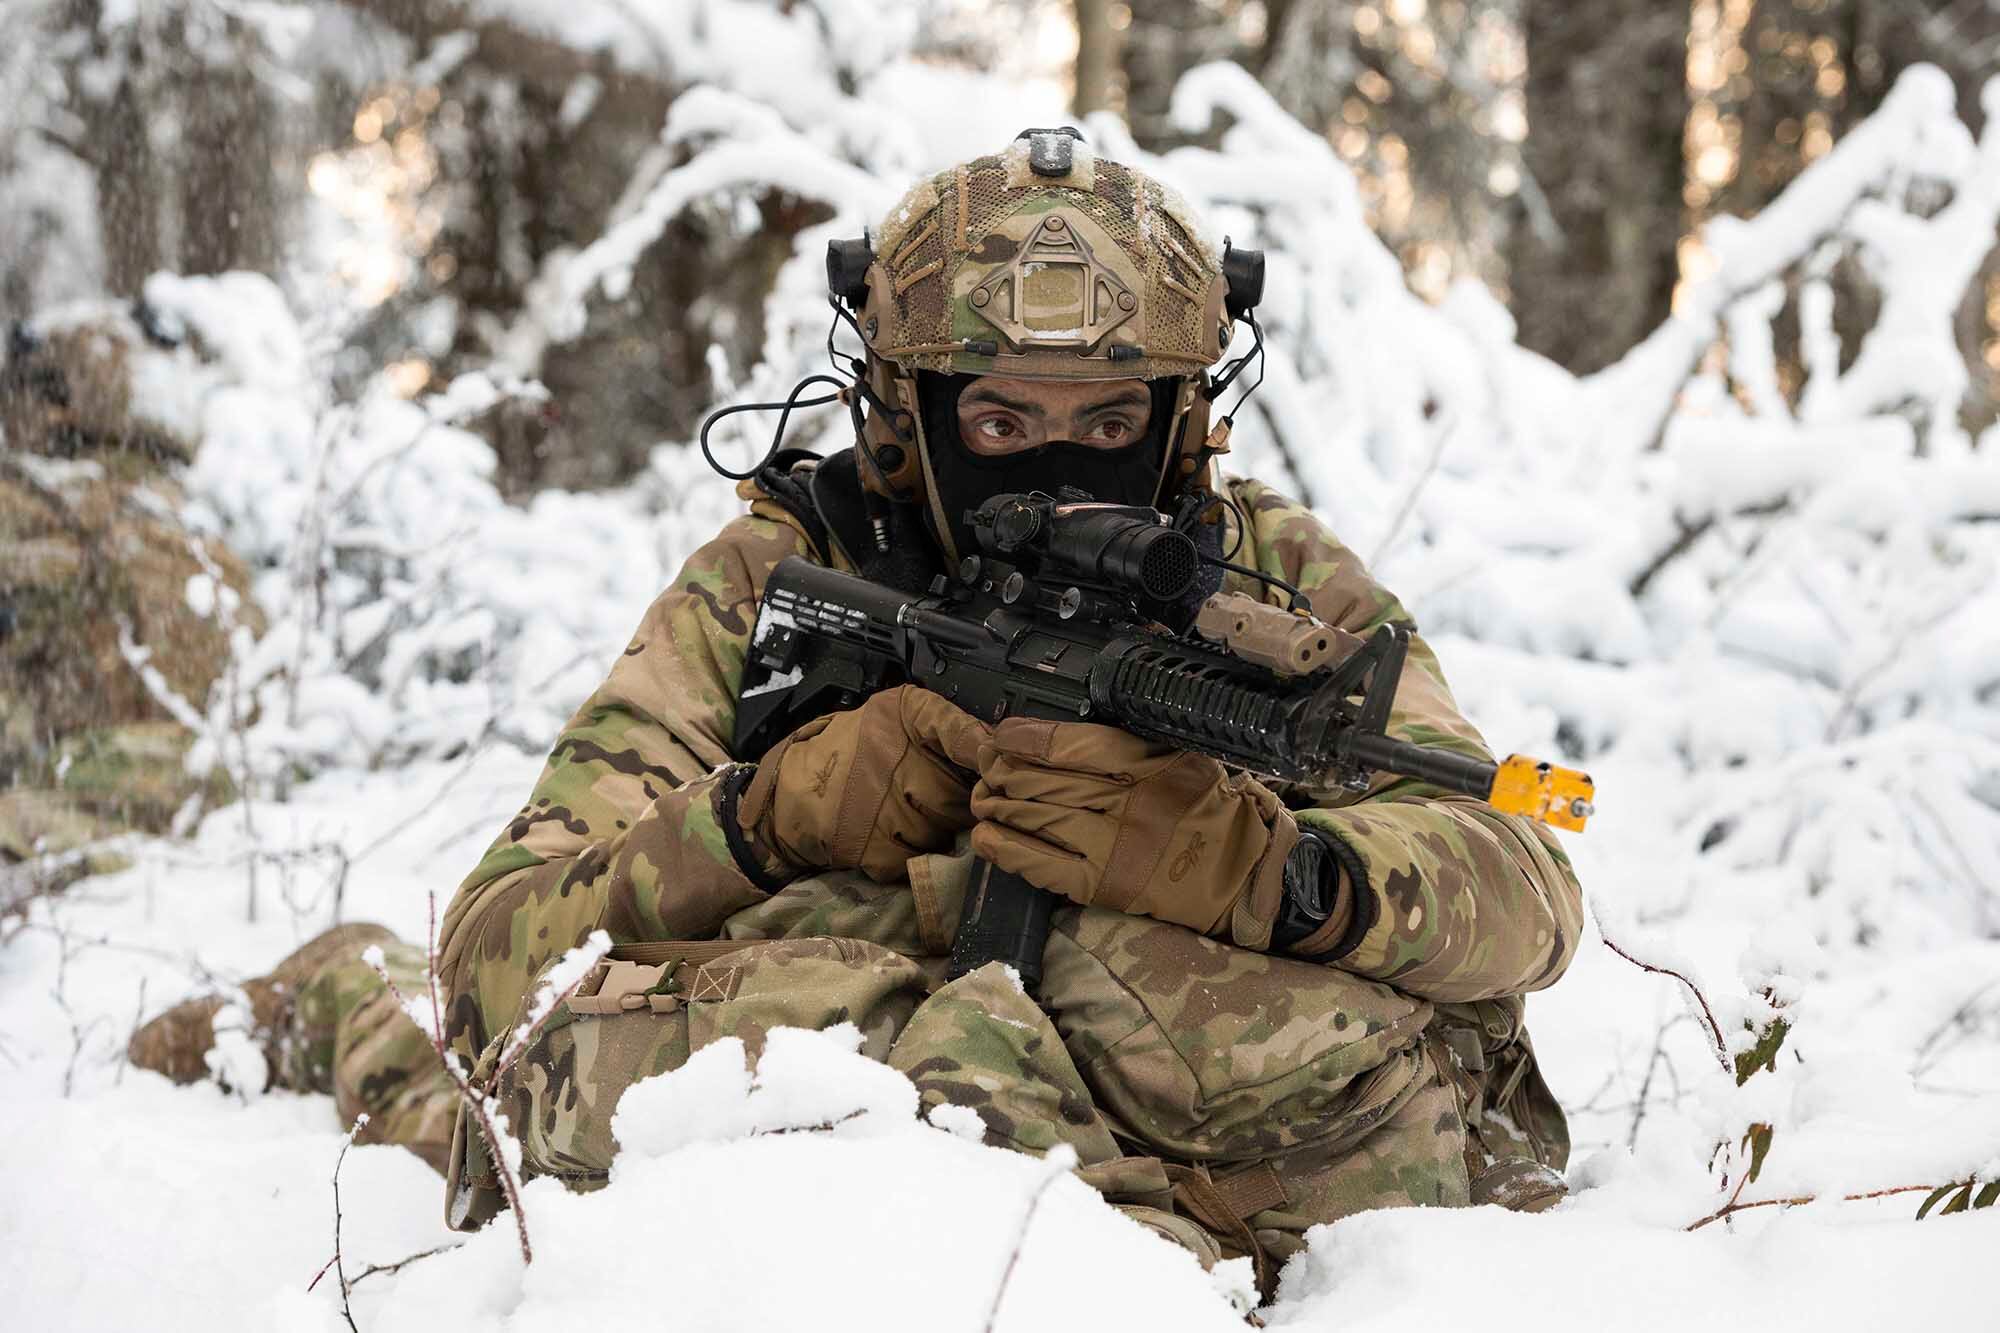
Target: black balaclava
x=1126 y=475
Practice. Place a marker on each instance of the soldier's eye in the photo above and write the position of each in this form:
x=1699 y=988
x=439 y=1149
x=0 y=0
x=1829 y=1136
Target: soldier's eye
x=998 y=428
x=1115 y=430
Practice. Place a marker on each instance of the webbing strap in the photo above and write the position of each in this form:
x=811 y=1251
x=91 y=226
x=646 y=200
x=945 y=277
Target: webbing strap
x=1248 y=1193
x=652 y=952
x=1195 y=1193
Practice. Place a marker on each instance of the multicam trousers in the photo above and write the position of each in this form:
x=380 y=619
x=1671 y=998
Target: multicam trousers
x=347 y=1035
x=1227 y=1181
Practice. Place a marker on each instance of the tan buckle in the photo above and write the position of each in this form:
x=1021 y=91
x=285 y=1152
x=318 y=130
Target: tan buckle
x=626 y=987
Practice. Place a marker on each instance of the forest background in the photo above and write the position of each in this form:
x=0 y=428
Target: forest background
x=1650 y=351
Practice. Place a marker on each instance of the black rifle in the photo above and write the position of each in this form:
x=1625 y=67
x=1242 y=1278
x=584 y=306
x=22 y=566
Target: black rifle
x=1047 y=623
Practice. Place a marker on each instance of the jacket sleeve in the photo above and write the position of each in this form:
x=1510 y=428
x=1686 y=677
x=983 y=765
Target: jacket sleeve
x=1453 y=900
x=623 y=830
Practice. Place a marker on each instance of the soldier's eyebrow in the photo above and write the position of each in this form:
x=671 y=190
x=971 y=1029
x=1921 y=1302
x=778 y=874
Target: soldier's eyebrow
x=1123 y=402
x=998 y=399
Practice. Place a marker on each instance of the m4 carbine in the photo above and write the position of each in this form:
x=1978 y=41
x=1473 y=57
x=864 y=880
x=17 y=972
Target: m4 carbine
x=1049 y=623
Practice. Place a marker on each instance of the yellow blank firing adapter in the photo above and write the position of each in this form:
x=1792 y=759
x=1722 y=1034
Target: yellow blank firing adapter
x=1560 y=797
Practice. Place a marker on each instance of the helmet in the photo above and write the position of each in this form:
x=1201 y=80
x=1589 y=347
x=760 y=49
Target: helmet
x=1041 y=262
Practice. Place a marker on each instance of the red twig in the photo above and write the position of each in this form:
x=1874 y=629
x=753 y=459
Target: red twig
x=508 y=1185
x=1734 y=1195
x=526 y=1037
x=338 y=1263
x=1707 y=1014
x=476 y=1099
x=1734 y=1207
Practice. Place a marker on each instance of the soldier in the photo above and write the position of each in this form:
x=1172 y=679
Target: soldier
x=1263 y=1008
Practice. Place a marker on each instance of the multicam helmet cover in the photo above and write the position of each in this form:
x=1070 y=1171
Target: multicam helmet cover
x=1043 y=261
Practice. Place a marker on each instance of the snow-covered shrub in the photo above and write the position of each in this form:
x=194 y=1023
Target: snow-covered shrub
x=413 y=612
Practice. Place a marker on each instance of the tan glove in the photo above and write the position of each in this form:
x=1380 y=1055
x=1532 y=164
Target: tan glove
x=1106 y=819
x=865 y=789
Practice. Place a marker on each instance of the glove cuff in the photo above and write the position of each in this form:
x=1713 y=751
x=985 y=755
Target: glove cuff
x=744 y=800
x=1354 y=909
x=1256 y=912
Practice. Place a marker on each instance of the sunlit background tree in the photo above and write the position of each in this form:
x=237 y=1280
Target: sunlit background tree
x=1564 y=155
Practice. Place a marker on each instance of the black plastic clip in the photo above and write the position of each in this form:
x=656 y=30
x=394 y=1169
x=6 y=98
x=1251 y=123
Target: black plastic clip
x=1049 y=149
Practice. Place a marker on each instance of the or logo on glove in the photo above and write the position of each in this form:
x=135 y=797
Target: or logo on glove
x=1189 y=858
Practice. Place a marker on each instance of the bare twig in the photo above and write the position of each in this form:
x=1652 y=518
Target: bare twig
x=1286 y=453
x=239 y=720
x=477 y=1099
x=1940 y=1090
x=79 y=1032
x=125 y=1051
x=193 y=966
x=822 y=1127
x=404 y=1262
x=1686 y=537
x=1707 y=1014
x=1595 y=1102
x=1920 y=800
x=474 y=754
x=1736 y=1193
x=1442 y=436
x=139 y=657
x=1733 y=1206
x=1929 y=1051
x=334 y=886
x=43 y=876
x=338 y=1263
x=1020 y=1239
x=1899 y=643
x=525 y=1036
x=1646 y=1083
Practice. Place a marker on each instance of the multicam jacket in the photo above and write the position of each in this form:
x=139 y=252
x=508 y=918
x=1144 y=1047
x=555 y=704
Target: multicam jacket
x=1470 y=908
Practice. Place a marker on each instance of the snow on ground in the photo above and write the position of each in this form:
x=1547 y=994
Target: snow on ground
x=1770 y=638
x=219 y=1210
x=130 y=1202
x=1579 y=1269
